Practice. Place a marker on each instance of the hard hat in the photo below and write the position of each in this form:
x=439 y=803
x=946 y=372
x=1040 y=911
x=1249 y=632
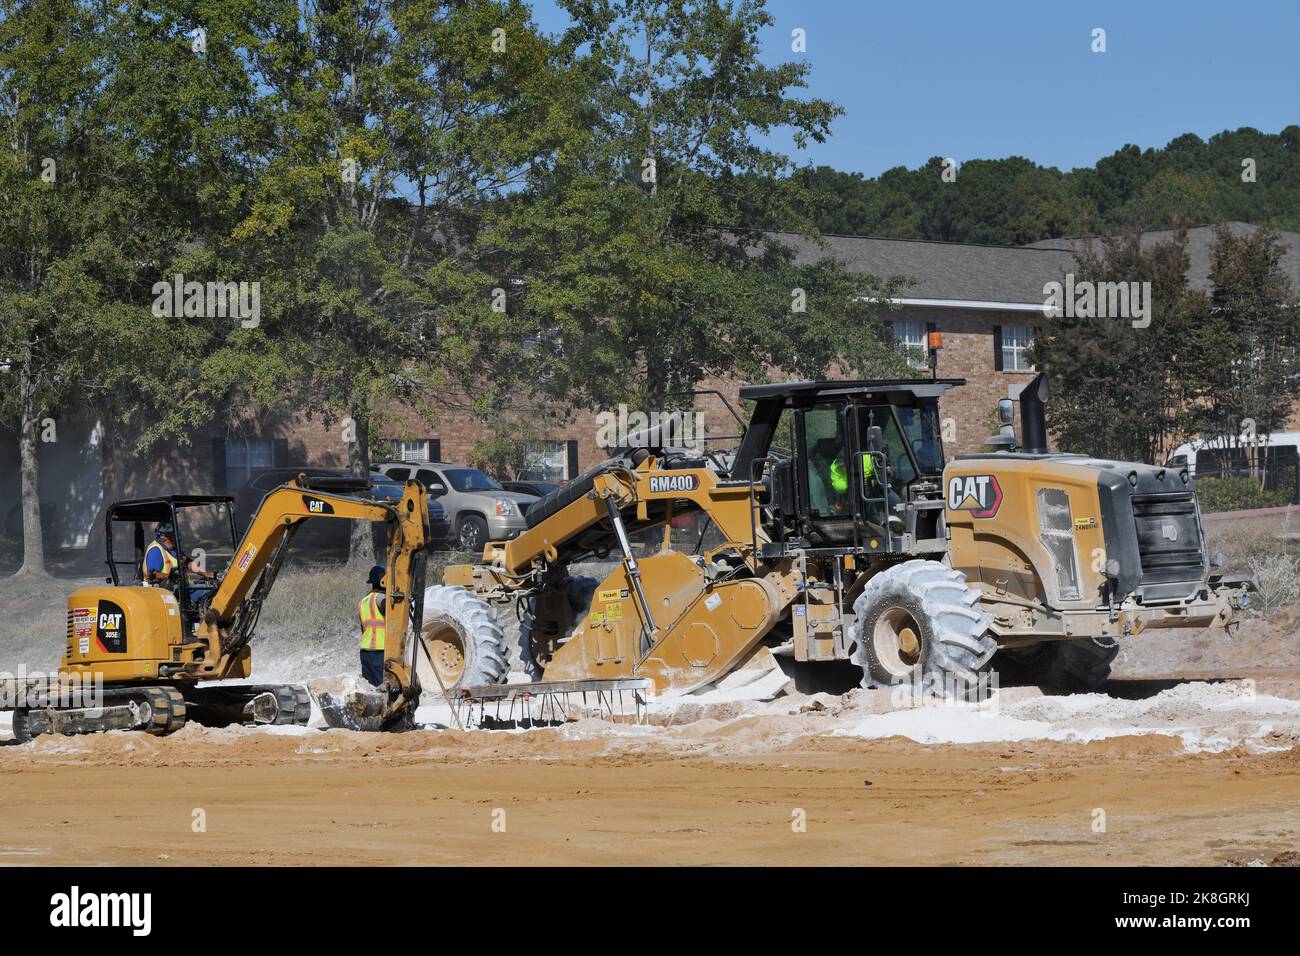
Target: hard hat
x=164 y=530
x=376 y=577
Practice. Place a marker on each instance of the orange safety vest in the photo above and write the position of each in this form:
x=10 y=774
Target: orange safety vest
x=372 y=622
x=169 y=561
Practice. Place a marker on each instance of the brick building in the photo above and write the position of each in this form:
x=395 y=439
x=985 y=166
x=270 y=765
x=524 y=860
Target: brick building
x=987 y=301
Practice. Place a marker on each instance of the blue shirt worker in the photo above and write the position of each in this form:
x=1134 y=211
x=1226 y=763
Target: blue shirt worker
x=162 y=564
x=370 y=609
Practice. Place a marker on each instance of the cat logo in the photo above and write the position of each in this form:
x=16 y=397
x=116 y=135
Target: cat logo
x=316 y=506
x=673 y=483
x=979 y=494
x=110 y=630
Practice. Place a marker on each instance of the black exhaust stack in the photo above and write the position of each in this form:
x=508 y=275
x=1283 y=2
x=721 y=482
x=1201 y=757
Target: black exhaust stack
x=1033 y=417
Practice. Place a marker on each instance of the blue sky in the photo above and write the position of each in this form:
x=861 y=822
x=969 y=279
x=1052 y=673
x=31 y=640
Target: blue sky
x=985 y=80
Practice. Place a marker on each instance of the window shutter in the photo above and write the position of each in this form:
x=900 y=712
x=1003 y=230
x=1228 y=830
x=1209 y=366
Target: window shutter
x=997 y=348
x=435 y=450
x=280 y=452
x=571 y=454
x=219 y=466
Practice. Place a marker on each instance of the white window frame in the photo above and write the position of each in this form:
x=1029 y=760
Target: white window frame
x=241 y=468
x=410 y=451
x=546 y=460
x=1016 y=340
x=910 y=337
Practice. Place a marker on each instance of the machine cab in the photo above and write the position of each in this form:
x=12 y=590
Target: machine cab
x=864 y=466
x=130 y=530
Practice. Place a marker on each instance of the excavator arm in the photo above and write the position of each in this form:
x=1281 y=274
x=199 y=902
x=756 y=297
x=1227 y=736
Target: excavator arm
x=228 y=623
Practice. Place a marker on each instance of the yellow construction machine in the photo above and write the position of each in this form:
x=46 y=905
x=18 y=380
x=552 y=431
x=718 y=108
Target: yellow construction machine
x=152 y=657
x=861 y=544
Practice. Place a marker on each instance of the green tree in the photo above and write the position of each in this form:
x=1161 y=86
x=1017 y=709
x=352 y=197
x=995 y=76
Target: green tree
x=51 y=61
x=636 y=278
x=1239 y=174
x=1119 y=391
x=381 y=130
x=1244 y=354
x=115 y=176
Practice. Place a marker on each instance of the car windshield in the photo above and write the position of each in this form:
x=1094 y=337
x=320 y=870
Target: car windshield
x=470 y=479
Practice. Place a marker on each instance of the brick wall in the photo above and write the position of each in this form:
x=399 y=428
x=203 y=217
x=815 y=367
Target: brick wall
x=968 y=352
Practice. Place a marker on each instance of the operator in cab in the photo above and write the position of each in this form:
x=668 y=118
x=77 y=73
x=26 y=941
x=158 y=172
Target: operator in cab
x=878 y=494
x=370 y=609
x=162 y=565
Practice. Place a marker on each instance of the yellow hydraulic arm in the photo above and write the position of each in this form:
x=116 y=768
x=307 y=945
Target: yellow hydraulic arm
x=228 y=623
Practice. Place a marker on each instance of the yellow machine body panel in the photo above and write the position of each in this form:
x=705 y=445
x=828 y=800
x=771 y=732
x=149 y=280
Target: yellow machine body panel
x=1030 y=528
x=700 y=632
x=121 y=633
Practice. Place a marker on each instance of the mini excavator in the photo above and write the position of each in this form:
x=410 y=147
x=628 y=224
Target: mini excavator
x=152 y=657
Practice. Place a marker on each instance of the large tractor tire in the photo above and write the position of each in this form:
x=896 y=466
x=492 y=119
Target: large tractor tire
x=533 y=649
x=1074 y=667
x=919 y=623
x=465 y=642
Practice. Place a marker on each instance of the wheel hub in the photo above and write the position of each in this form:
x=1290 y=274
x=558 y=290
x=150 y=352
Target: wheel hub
x=896 y=640
x=446 y=650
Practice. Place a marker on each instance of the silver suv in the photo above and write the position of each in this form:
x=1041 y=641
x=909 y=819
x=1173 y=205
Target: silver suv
x=479 y=509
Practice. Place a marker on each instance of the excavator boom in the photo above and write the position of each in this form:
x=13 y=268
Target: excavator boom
x=157 y=655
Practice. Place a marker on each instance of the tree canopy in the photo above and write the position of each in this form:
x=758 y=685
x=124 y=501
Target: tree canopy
x=1241 y=174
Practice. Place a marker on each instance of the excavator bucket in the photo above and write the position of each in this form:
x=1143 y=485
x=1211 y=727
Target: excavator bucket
x=350 y=704
x=358 y=710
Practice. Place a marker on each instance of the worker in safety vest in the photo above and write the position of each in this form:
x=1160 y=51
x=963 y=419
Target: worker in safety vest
x=370 y=609
x=839 y=475
x=161 y=562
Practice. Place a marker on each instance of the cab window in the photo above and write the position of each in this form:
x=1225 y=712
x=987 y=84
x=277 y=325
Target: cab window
x=901 y=471
x=827 y=477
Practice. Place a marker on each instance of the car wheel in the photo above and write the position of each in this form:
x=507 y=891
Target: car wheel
x=471 y=533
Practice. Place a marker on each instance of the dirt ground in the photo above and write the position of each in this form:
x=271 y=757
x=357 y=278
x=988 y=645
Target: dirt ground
x=777 y=787
x=1189 y=756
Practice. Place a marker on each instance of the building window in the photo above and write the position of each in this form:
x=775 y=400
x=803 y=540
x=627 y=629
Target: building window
x=422 y=449
x=1012 y=345
x=245 y=457
x=910 y=339
x=544 y=461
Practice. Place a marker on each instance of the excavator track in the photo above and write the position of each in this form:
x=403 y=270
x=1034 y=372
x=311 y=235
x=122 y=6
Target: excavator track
x=162 y=710
x=155 y=710
x=220 y=705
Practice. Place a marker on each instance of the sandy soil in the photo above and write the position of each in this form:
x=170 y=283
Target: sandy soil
x=1198 y=773
x=1189 y=757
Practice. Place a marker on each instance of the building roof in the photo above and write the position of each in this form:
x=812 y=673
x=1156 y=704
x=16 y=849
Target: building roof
x=1200 y=243
x=944 y=270
x=970 y=273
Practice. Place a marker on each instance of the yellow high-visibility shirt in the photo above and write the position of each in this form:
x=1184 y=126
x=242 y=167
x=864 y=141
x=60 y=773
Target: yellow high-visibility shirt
x=372 y=622
x=169 y=562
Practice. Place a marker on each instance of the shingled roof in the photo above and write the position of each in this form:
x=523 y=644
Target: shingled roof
x=944 y=270
x=1002 y=274
x=1200 y=242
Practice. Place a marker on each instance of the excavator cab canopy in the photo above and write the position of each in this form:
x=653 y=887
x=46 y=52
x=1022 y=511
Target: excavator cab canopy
x=145 y=514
